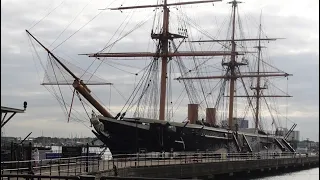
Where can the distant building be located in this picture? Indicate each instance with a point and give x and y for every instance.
(309, 145)
(280, 132)
(294, 135)
(302, 150)
(242, 123)
(6, 141)
(314, 144)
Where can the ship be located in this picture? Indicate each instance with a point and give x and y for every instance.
(139, 133)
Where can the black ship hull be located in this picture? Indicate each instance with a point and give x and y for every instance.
(129, 136)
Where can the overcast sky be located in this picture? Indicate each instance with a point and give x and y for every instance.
(296, 21)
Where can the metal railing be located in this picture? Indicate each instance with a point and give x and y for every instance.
(90, 164)
(32, 177)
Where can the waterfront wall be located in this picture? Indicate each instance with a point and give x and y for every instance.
(212, 168)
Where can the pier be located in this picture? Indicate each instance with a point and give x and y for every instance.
(157, 165)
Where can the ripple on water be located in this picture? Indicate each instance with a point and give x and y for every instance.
(310, 174)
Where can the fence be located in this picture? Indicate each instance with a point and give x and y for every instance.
(9, 176)
(89, 164)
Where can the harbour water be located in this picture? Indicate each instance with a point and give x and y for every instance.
(309, 174)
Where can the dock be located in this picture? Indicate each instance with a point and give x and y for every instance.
(191, 165)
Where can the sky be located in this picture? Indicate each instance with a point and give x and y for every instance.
(55, 24)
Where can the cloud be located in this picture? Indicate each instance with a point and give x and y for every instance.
(20, 76)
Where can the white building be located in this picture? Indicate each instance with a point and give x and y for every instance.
(294, 135)
(242, 123)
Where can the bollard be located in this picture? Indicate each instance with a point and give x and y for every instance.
(40, 166)
(87, 157)
(80, 164)
(59, 170)
(145, 159)
(76, 165)
(68, 166)
(50, 166)
(115, 170)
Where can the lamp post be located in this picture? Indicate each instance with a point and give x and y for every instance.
(136, 139)
(308, 145)
(267, 145)
(228, 148)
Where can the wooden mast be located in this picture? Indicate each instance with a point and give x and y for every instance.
(164, 38)
(232, 66)
(78, 83)
(164, 62)
(258, 88)
(232, 76)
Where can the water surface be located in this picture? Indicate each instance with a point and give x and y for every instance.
(309, 174)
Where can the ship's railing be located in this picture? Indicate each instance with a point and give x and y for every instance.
(90, 164)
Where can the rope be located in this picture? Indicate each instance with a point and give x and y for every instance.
(58, 83)
(81, 27)
(47, 15)
(287, 103)
(70, 23)
(71, 104)
(82, 104)
(53, 92)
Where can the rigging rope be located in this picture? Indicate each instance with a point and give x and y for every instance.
(135, 91)
(47, 15)
(82, 103)
(287, 103)
(71, 104)
(53, 91)
(58, 83)
(112, 44)
(81, 27)
(69, 24)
